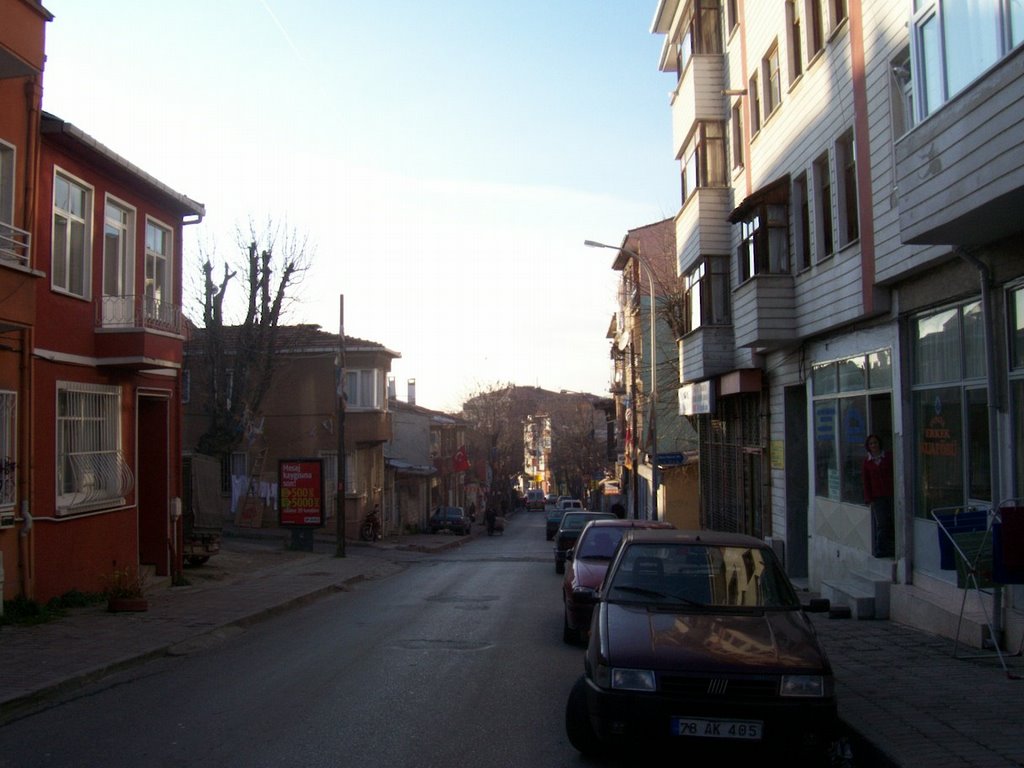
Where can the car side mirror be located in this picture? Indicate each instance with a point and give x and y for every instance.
(818, 605)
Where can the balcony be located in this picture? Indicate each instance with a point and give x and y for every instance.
(961, 171)
(706, 352)
(698, 96)
(15, 247)
(367, 427)
(138, 332)
(764, 312)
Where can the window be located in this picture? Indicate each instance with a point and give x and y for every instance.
(950, 408)
(846, 167)
(704, 158)
(234, 474)
(700, 32)
(755, 105)
(737, 135)
(901, 94)
(706, 296)
(772, 80)
(837, 12)
(816, 32)
(764, 245)
(158, 273)
(72, 212)
(364, 389)
(954, 42)
(118, 263)
(8, 448)
(823, 208)
(796, 66)
(801, 224)
(91, 470)
(852, 398)
(733, 17)
(1015, 303)
(6, 189)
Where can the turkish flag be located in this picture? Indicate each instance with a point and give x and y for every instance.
(461, 461)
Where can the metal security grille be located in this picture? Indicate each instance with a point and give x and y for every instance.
(90, 467)
(8, 431)
(732, 468)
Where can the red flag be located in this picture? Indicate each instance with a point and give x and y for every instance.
(461, 461)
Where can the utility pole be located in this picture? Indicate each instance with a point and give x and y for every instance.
(339, 496)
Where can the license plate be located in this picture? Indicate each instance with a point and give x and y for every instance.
(749, 730)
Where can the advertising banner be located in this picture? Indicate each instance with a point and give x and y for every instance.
(301, 484)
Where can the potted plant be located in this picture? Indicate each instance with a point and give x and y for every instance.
(126, 591)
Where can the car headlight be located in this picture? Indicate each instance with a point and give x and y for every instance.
(803, 685)
(626, 679)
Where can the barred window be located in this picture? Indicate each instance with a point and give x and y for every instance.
(91, 470)
(8, 448)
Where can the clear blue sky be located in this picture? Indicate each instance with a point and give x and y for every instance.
(445, 159)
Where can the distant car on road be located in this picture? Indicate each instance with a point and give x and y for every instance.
(535, 499)
(569, 529)
(554, 514)
(699, 638)
(585, 567)
(452, 519)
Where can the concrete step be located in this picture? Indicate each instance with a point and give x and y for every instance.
(937, 606)
(866, 596)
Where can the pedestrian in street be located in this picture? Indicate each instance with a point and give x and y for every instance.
(877, 476)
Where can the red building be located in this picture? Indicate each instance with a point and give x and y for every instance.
(90, 344)
(106, 367)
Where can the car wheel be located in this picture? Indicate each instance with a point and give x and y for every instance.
(569, 635)
(577, 722)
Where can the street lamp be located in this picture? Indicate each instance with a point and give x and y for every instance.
(654, 365)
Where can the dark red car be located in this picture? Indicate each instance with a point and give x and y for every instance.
(699, 639)
(585, 567)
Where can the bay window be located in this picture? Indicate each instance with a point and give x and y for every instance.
(364, 389)
(703, 160)
(706, 293)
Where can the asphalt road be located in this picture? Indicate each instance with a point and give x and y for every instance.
(455, 660)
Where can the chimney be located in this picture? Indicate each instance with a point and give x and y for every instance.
(392, 392)
(412, 391)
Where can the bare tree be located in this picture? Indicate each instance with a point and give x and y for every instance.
(238, 360)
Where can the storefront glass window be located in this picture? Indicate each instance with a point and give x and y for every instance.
(938, 440)
(937, 347)
(826, 462)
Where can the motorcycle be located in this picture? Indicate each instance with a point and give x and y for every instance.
(370, 530)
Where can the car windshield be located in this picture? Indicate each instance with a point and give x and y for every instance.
(599, 543)
(701, 575)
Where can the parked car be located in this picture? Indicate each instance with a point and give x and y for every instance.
(700, 638)
(585, 566)
(569, 528)
(535, 499)
(553, 516)
(452, 519)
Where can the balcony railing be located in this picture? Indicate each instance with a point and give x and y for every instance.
(139, 312)
(15, 246)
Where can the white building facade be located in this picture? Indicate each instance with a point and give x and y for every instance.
(849, 243)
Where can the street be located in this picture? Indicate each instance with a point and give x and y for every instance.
(456, 660)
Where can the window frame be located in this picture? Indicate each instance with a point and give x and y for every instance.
(8, 166)
(937, 82)
(364, 389)
(90, 471)
(760, 228)
(794, 41)
(157, 283)
(800, 241)
(754, 92)
(706, 294)
(61, 279)
(847, 204)
(771, 76)
(838, 435)
(824, 224)
(702, 154)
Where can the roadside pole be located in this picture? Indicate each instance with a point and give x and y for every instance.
(339, 495)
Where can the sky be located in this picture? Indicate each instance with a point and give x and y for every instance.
(442, 161)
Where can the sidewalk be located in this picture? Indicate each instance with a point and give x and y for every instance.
(905, 698)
